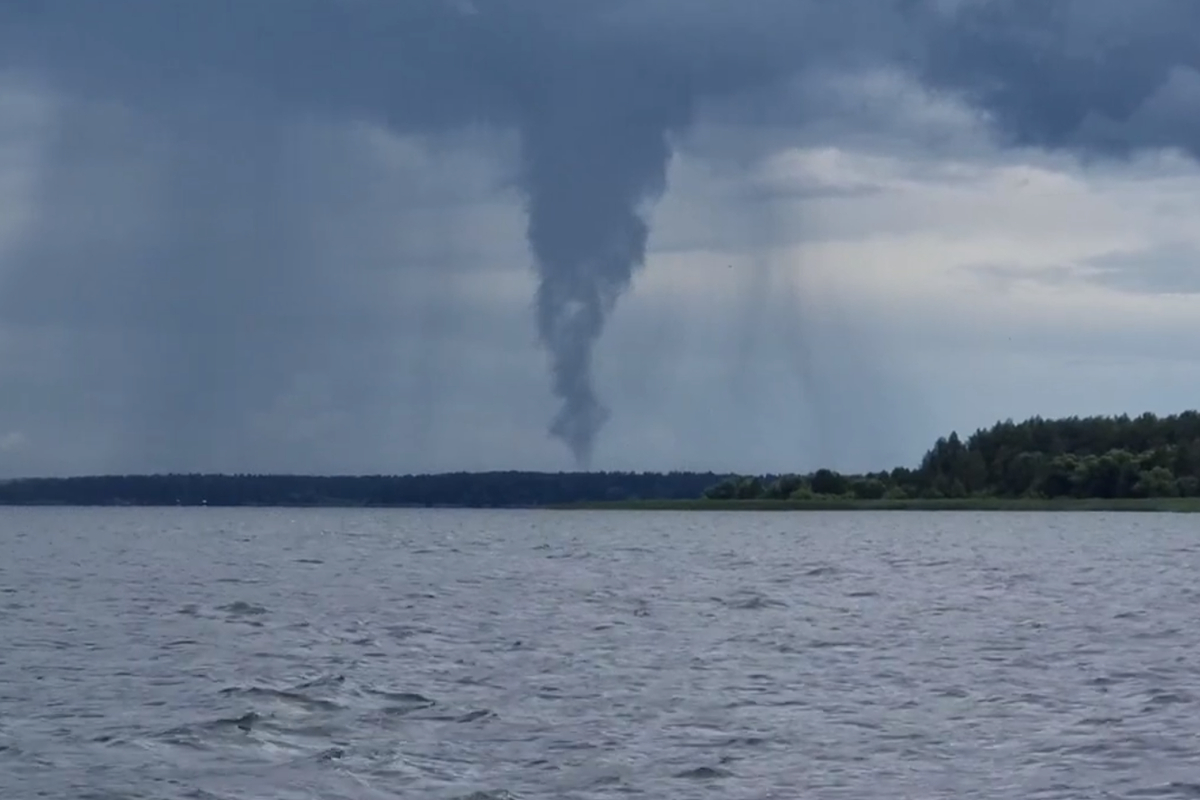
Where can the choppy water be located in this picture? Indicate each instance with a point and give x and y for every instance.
(454, 654)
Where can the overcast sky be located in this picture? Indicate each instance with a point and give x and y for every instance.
(415, 235)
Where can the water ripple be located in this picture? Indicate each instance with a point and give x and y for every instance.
(212, 654)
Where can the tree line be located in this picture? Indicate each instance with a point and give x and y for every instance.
(463, 489)
(1077, 457)
(1091, 457)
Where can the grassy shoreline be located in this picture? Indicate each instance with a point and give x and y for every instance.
(1150, 504)
(1178, 505)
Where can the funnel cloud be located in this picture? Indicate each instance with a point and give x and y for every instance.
(195, 120)
(589, 166)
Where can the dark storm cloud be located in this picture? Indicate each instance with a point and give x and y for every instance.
(1097, 76)
(594, 90)
(215, 262)
(187, 259)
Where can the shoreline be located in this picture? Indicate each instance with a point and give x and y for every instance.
(1177, 505)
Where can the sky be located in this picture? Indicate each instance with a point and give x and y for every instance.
(392, 236)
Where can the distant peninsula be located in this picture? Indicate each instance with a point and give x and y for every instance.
(1090, 463)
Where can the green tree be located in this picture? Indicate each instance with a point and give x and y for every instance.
(783, 487)
(1155, 482)
(828, 482)
(868, 489)
(750, 488)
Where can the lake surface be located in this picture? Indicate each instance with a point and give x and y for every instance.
(212, 654)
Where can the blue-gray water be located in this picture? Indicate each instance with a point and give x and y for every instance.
(216, 654)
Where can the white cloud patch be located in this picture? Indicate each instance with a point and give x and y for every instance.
(962, 292)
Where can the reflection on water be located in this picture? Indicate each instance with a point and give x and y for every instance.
(458, 654)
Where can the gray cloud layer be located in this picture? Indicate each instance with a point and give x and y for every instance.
(1100, 76)
(179, 202)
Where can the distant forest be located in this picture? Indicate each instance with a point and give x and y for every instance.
(1090, 457)
(1093, 457)
(462, 489)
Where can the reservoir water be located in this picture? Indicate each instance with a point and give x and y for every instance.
(217, 654)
